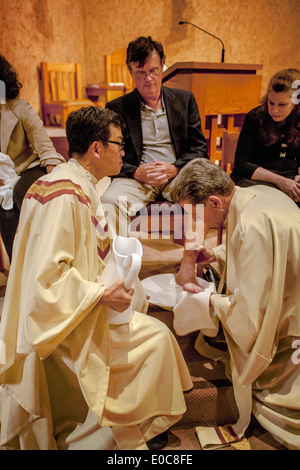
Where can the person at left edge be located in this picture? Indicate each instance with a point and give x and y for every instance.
(25, 144)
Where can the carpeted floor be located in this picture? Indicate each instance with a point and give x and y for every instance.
(211, 401)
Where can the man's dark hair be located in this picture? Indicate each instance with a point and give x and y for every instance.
(141, 48)
(90, 124)
(10, 77)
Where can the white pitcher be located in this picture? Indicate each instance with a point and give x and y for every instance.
(125, 261)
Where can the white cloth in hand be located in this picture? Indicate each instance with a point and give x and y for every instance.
(191, 312)
(10, 177)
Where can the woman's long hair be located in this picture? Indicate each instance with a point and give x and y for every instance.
(281, 82)
(10, 77)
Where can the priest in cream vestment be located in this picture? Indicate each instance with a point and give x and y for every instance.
(69, 380)
(260, 309)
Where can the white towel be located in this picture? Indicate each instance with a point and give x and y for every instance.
(10, 177)
(191, 312)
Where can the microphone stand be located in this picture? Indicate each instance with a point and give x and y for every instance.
(223, 48)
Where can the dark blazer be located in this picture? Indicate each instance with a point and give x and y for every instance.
(184, 124)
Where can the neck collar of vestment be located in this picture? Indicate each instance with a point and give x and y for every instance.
(88, 175)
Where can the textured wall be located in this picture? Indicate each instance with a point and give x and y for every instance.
(254, 31)
(34, 31)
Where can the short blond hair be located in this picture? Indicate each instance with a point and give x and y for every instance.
(198, 180)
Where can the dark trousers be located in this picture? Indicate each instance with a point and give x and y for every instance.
(9, 219)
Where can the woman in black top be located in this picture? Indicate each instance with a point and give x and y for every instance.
(268, 150)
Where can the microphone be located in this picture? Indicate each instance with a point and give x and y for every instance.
(223, 48)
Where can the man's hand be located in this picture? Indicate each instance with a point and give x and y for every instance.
(155, 173)
(186, 276)
(116, 297)
(205, 255)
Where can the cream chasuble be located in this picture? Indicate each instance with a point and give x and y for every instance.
(260, 314)
(60, 360)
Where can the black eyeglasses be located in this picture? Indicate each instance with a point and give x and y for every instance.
(120, 144)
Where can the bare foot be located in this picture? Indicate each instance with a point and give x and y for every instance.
(192, 287)
(188, 282)
(186, 276)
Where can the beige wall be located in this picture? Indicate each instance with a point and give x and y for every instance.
(33, 31)
(254, 31)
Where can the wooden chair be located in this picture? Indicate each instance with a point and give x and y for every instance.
(61, 90)
(116, 70)
(118, 80)
(229, 144)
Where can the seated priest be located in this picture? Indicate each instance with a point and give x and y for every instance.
(70, 379)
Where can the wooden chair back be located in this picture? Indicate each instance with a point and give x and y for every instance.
(230, 140)
(62, 82)
(116, 70)
(61, 89)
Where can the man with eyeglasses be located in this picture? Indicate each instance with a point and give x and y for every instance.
(69, 379)
(162, 133)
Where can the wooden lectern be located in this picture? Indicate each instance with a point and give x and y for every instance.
(225, 93)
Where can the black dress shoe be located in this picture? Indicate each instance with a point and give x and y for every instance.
(158, 442)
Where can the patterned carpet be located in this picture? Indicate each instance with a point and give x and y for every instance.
(211, 401)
